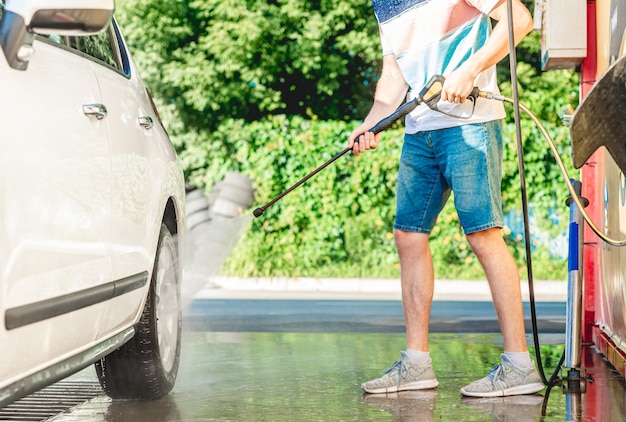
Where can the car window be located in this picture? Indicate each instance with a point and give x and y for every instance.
(100, 46)
(106, 47)
(123, 54)
(57, 39)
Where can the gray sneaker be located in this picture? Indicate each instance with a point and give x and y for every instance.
(402, 376)
(505, 379)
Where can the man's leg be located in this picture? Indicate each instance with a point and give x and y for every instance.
(417, 278)
(504, 282)
(516, 373)
(422, 193)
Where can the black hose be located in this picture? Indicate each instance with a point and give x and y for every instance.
(522, 177)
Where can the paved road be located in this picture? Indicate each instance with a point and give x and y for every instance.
(284, 315)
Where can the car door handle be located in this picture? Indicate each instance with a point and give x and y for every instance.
(146, 122)
(98, 110)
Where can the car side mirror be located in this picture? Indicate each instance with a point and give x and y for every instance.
(22, 19)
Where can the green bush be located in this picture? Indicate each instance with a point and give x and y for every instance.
(339, 223)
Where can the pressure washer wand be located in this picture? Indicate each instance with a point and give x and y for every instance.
(385, 123)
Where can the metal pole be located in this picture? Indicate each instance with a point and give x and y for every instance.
(573, 325)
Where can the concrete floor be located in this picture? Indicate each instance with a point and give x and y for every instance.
(313, 375)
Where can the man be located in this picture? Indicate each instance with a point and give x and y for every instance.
(441, 153)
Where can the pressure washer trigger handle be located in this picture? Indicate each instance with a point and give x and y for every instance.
(402, 111)
(474, 94)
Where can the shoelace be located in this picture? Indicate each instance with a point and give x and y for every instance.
(401, 367)
(498, 372)
(393, 367)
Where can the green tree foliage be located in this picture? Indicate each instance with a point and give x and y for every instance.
(246, 59)
(547, 94)
(272, 89)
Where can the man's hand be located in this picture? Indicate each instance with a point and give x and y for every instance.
(361, 140)
(457, 86)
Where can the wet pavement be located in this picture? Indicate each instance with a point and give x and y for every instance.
(247, 360)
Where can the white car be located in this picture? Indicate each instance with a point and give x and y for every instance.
(91, 207)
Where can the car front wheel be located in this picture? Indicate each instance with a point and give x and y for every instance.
(146, 366)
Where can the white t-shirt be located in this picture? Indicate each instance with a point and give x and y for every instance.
(434, 37)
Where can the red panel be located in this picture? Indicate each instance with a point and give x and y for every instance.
(591, 180)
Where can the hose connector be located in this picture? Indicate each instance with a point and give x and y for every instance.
(490, 95)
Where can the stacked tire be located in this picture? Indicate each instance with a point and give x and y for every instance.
(229, 198)
(197, 208)
(215, 224)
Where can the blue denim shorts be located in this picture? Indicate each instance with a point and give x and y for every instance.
(466, 160)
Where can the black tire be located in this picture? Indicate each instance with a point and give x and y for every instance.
(146, 366)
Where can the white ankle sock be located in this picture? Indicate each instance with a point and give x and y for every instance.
(418, 357)
(521, 359)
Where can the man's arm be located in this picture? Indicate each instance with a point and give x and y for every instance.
(459, 84)
(390, 92)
